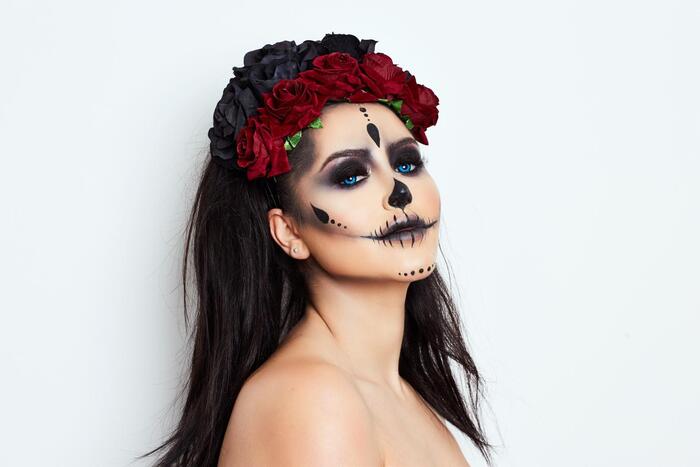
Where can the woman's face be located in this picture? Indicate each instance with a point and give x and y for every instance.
(368, 178)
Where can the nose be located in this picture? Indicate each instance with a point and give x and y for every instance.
(400, 196)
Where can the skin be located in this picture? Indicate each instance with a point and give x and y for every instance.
(331, 394)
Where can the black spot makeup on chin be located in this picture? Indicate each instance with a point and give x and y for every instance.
(371, 127)
(420, 270)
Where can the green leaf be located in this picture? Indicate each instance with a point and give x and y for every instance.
(316, 123)
(290, 142)
(409, 123)
(396, 105)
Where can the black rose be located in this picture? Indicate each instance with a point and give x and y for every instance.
(349, 44)
(233, 109)
(264, 67)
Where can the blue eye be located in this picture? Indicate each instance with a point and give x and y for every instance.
(410, 164)
(349, 174)
(349, 181)
(404, 168)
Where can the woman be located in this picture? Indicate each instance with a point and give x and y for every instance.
(320, 310)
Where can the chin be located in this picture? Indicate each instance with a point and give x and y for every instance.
(419, 267)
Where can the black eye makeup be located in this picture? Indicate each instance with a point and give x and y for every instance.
(354, 166)
(404, 160)
(346, 174)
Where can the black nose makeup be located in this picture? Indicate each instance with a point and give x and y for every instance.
(400, 195)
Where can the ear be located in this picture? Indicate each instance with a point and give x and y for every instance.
(286, 235)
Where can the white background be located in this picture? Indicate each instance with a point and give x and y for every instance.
(567, 154)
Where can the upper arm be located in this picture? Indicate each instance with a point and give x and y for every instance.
(310, 415)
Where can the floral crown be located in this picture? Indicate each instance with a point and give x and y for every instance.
(282, 88)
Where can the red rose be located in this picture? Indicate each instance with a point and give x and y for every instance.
(279, 162)
(293, 104)
(244, 143)
(261, 153)
(419, 103)
(383, 78)
(419, 134)
(336, 74)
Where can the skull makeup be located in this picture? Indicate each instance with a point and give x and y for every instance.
(370, 208)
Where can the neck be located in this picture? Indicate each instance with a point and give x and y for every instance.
(365, 321)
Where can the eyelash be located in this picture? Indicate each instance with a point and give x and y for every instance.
(353, 170)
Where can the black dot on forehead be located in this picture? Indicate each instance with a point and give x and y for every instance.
(364, 110)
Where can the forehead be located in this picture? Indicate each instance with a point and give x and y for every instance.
(345, 127)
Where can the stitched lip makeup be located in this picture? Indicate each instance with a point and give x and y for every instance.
(410, 229)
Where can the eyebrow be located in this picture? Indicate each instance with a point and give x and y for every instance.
(365, 154)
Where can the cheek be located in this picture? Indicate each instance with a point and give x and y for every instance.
(339, 218)
(434, 197)
(342, 214)
(426, 197)
(337, 250)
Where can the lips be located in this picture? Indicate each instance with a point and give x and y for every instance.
(410, 229)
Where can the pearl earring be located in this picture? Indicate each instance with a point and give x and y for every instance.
(295, 249)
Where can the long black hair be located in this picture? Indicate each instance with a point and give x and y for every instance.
(250, 294)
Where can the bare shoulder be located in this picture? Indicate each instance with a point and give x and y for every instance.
(300, 412)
